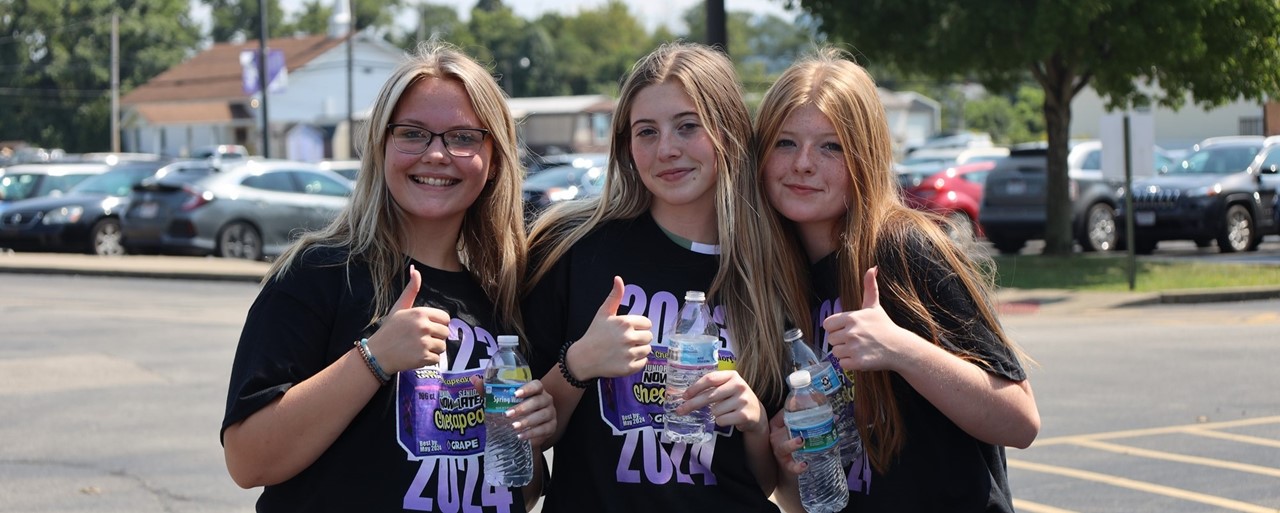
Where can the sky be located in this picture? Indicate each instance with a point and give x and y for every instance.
(651, 12)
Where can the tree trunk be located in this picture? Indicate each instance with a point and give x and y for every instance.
(1058, 84)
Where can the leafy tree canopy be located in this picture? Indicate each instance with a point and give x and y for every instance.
(1211, 50)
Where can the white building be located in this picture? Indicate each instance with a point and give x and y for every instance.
(202, 101)
(913, 118)
(1173, 129)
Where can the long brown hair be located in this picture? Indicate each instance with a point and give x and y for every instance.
(877, 229)
(755, 307)
(492, 241)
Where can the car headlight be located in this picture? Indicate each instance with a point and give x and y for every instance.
(64, 215)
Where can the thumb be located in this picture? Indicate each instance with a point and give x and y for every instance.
(870, 289)
(410, 291)
(614, 300)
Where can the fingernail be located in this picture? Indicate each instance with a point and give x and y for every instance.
(515, 425)
(509, 413)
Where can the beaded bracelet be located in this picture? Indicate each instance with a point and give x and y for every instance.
(564, 368)
(363, 346)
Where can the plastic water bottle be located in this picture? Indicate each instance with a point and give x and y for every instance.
(691, 353)
(508, 461)
(826, 378)
(822, 485)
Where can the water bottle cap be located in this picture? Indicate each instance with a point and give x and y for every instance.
(792, 334)
(799, 378)
(695, 295)
(508, 340)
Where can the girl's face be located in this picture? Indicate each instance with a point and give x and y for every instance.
(436, 185)
(806, 175)
(672, 150)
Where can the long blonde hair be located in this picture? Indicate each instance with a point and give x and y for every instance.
(877, 229)
(754, 306)
(492, 241)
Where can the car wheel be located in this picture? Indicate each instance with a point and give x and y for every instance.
(1099, 228)
(105, 238)
(1237, 231)
(240, 240)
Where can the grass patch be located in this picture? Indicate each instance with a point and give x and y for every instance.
(1110, 274)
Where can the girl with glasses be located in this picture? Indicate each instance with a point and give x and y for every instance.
(355, 383)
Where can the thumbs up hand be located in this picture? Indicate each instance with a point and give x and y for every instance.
(410, 336)
(614, 345)
(867, 339)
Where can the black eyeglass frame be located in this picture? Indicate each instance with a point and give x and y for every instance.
(484, 133)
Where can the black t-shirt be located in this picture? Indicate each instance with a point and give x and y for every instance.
(417, 445)
(611, 457)
(940, 468)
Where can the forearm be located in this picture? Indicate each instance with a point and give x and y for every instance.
(285, 437)
(988, 407)
(565, 397)
(760, 459)
(787, 494)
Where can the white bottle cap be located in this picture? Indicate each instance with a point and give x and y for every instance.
(792, 334)
(799, 379)
(508, 340)
(695, 295)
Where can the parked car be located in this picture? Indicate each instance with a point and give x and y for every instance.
(534, 164)
(1218, 193)
(955, 192)
(1013, 198)
(249, 209)
(221, 151)
(913, 170)
(347, 168)
(85, 219)
(582, 179)
(25, 181)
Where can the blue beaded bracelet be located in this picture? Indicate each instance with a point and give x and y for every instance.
(372, 362)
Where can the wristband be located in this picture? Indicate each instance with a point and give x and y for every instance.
(372, 363)
(564, 368)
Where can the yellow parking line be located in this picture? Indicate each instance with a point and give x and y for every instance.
(1032, 507)
(1157, 431)
(1244, 439)
(1180, 458)
(1142, 486)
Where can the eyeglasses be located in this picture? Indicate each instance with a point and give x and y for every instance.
(460, 142)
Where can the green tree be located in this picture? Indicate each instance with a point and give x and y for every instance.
(242, 18)
(760, 46)
(596, 47)
(315, 14)
(1009, 119)
(55, 63)
(436, 21)
(1211, 50)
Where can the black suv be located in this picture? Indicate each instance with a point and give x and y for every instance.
(1013, 198)
(1218, 193)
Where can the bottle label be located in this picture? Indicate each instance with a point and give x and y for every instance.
(636, 401)
(817, 437)
(500, 397)
(825, 379)
(439, 413)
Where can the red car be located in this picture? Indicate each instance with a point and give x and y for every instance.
(955, 192)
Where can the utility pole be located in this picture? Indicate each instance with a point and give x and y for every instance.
(115, 82)
(351, 39)
(717, 33)
(263, 80)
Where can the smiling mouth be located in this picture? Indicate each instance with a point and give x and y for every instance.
(437, 182)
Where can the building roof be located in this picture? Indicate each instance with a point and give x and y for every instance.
(215, 73)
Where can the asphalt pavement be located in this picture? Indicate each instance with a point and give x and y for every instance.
(1012, 301)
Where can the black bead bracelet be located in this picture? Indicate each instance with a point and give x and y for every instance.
(564, 368)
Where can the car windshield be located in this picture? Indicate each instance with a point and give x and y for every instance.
(20, 186)
(117, 182)
(562, 176)
(1221, 160)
